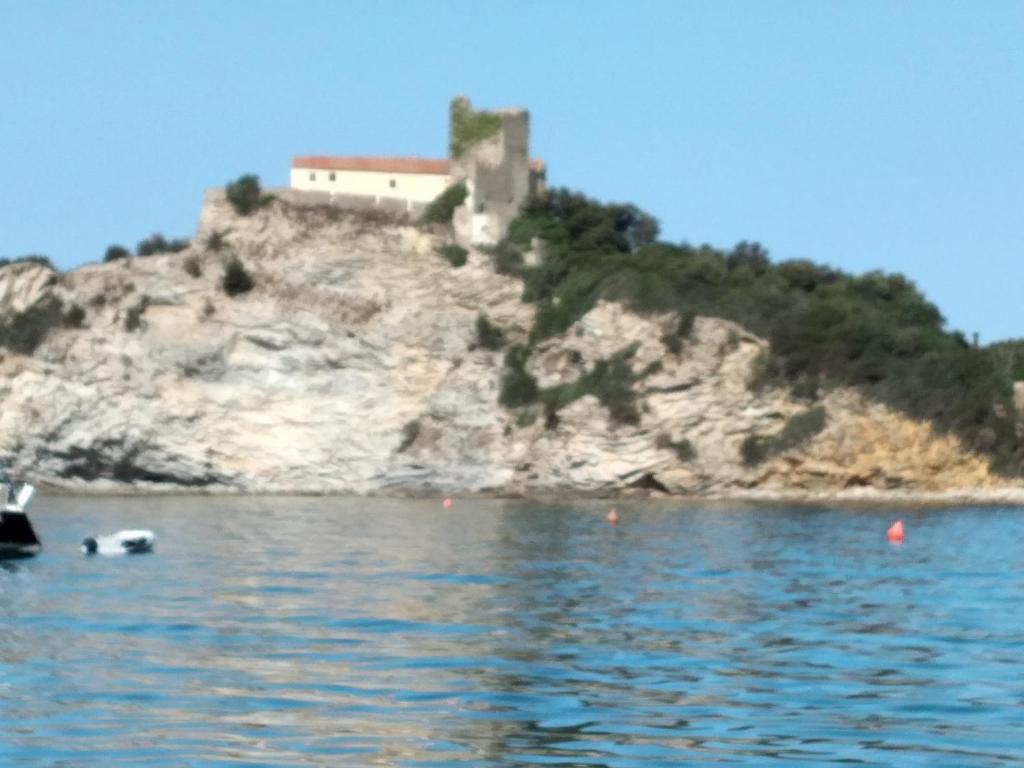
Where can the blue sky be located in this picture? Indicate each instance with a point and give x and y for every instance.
(866, 135)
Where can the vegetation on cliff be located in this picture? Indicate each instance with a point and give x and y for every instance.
(798, 430)
(442, 207)
(32, 258)
(116, 252)
(156, 244)
(1012, 355)
(454, 254)
(236, 279)
(24, 331)
(827, 328)
(245, 194)
(470, 127)
(488, 335)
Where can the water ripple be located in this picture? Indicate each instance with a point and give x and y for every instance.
(277, 632)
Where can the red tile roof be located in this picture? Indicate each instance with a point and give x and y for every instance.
(383, 164)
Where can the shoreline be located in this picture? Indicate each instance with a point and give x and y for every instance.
(1005, 496)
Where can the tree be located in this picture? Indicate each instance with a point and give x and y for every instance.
(245, 195)
(116, 253)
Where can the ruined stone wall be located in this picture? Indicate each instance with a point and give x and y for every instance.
(496, 171)
(346, 202)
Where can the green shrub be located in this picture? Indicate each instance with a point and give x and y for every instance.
(442, 208)
(1011, 356)
(875, 332)
(805, 388)
(133, 317)
(410, 432)
(192, 266)
(683, 449)
(116, 253)
(157, 244)
(754, 449)
(455, 254)
(518, 387)
(24, 331)
(236, 279)
(469, 127)
(798, 430)
(488, 335)
(31, 258)
(610, 381)
(506, 258)
(74, 317)
(526, 418)
(217, 240)
(673, 341)
(245, 195)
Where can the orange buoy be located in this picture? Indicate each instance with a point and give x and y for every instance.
(612, 516)
(447, 503)
(895, 532)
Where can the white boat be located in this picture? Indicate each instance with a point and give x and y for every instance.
(17, 537)
(134, 542)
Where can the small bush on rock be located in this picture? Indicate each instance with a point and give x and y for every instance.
(236, 279)
(75, 317)
(245, 195)
(116, 253)
(683, 449)
(798, 430)
(441, 210)
(133, 317)
(673, 340)
(754, 449)
(526, 418)
(507, 259)
(157, 243)
(217, 240)
(31, 258)
(518, 387)
(409, 434)
(455, 254)
(26, 330)
(488, 335)
(192, 267)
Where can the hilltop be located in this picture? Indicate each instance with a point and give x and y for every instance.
(366, 353)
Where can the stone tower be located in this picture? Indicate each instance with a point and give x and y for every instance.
(490, 154)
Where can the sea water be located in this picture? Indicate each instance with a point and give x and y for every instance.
(354, 632)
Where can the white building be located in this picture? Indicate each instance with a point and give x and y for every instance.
(490, 155)
(416, 179)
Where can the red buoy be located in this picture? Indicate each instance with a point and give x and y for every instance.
(895, 532)
(447, 503)
(612, 516)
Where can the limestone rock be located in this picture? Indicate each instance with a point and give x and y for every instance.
(353, 366)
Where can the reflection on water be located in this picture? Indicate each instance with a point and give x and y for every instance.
(385, 632)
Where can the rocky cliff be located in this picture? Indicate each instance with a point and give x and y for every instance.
(353, 366)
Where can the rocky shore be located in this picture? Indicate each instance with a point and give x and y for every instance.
(354, 365)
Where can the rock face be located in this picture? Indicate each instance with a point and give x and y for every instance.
(353, 366)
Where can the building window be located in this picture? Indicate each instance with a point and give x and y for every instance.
(331, 176)
(312, 175)
(392, 183)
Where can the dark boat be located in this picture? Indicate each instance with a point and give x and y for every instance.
(17, 537)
